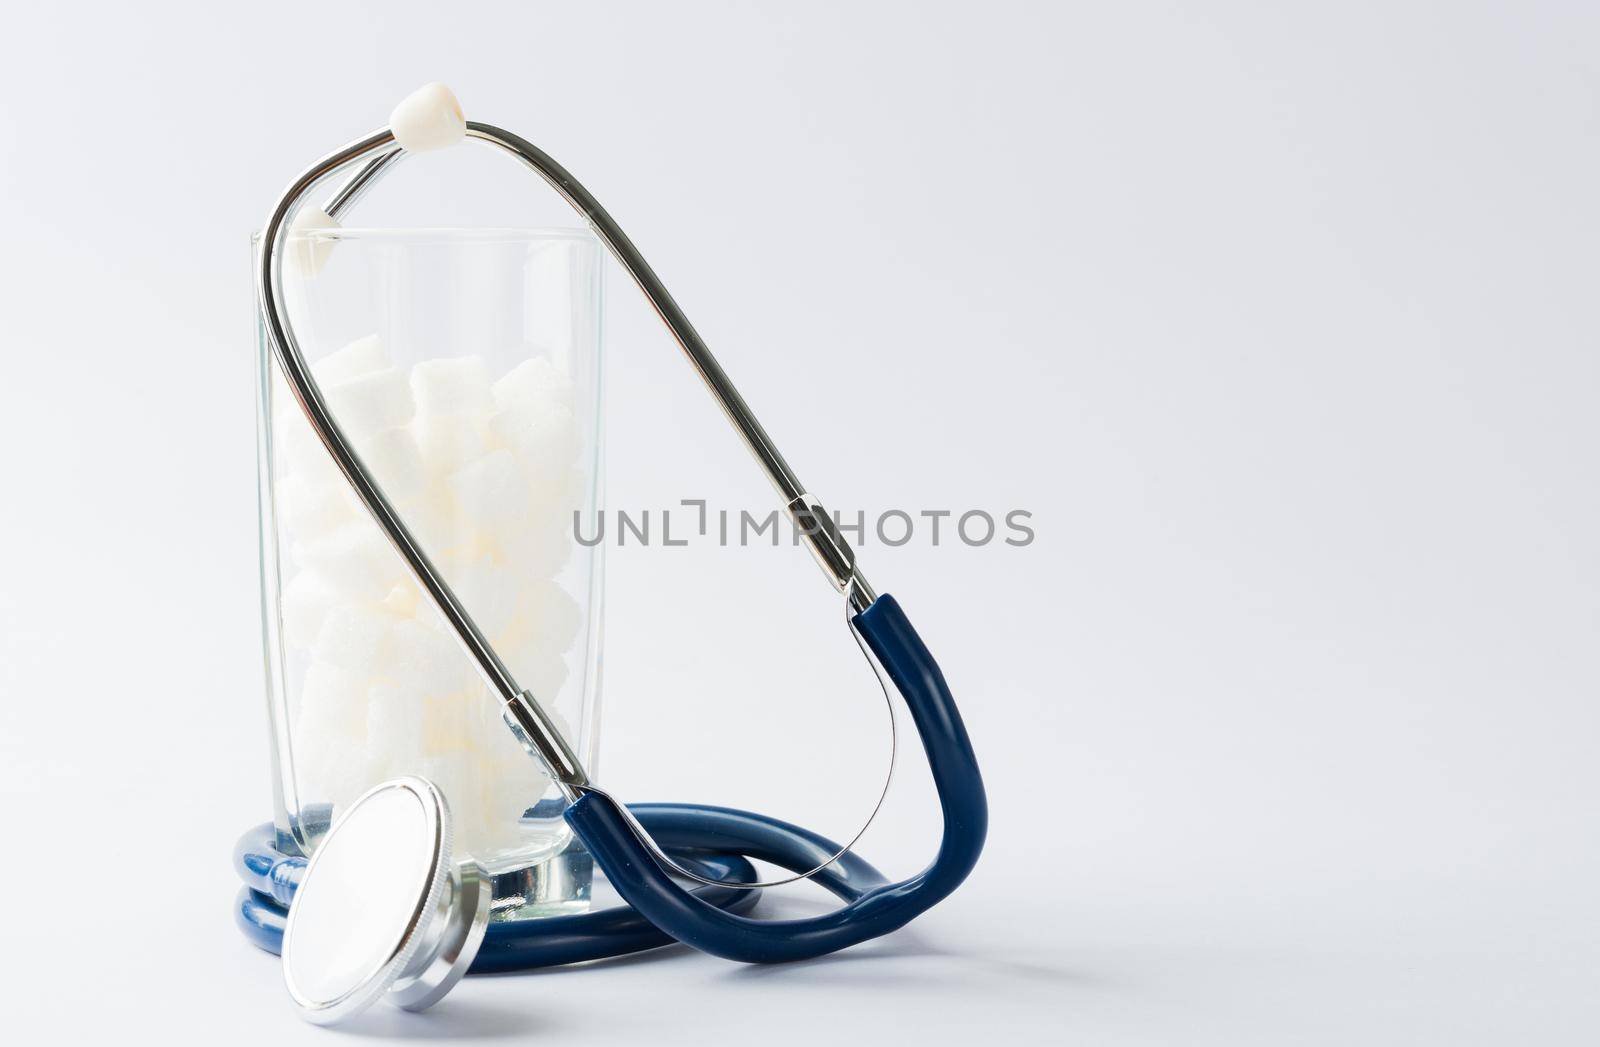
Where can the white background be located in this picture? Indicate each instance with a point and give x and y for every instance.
(1279, 318)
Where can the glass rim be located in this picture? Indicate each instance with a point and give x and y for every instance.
(445, 234)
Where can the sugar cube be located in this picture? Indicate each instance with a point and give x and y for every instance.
(314, 503)
(547, 441)
(488, 592)
(305, 601)
(538, 549)
(402, 600)
(430, 514)
(545, 613)
(370, 403)
(430, 659)
(332, 702)
(532, 386)
(394, 460)
(492, 493)
(395, 721)
(446, 442)
(362, 356)
(448, 722)
(355, 559)
(452, 385)
(296, 449)
(327, 770)
(308, 241)
(358, 639)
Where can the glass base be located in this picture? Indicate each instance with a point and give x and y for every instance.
(558, 886)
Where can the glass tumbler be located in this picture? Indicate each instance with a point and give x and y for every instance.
(464, 365)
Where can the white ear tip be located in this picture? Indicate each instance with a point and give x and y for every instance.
(305, 250)
(428, 118)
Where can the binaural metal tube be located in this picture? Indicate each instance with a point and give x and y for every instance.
(358, 184)
(711, 372)
(822, 537)
(827, 545)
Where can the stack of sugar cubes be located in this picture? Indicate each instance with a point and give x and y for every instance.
(485, 472)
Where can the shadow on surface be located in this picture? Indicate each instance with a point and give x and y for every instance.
(878, 967)
(451, 1019)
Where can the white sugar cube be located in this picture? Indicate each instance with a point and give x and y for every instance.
(546, 441)
(394, 460)
(309, 241)
(370, 403)
(453, 385)
(312, 504)
(488, 787)
(492, 493)
(447, 441)
(402, 600)
(434, 662)
(431, 516)
(395, 721)
(305, 603)
(332, 701)
(488, 591)
(362, 356)
(538, 549)
(533, 386)
(547, 612)
(330, 754)
(357, 639)
(297, 450)
(355, 559)
(448, 722)
(332, 772)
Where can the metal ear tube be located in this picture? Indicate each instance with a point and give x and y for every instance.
(643, 850)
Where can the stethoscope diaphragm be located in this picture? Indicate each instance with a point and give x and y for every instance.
(384, 911)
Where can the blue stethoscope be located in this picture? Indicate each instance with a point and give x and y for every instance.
(382, 909)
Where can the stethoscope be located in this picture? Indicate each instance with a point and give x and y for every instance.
(384, 910)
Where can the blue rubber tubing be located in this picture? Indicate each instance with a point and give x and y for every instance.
(869, 912)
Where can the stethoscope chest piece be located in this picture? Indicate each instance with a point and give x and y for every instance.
(383, 910)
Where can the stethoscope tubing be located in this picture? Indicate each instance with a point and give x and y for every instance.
(644, 884)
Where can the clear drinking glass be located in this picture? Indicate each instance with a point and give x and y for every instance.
(465, 367)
